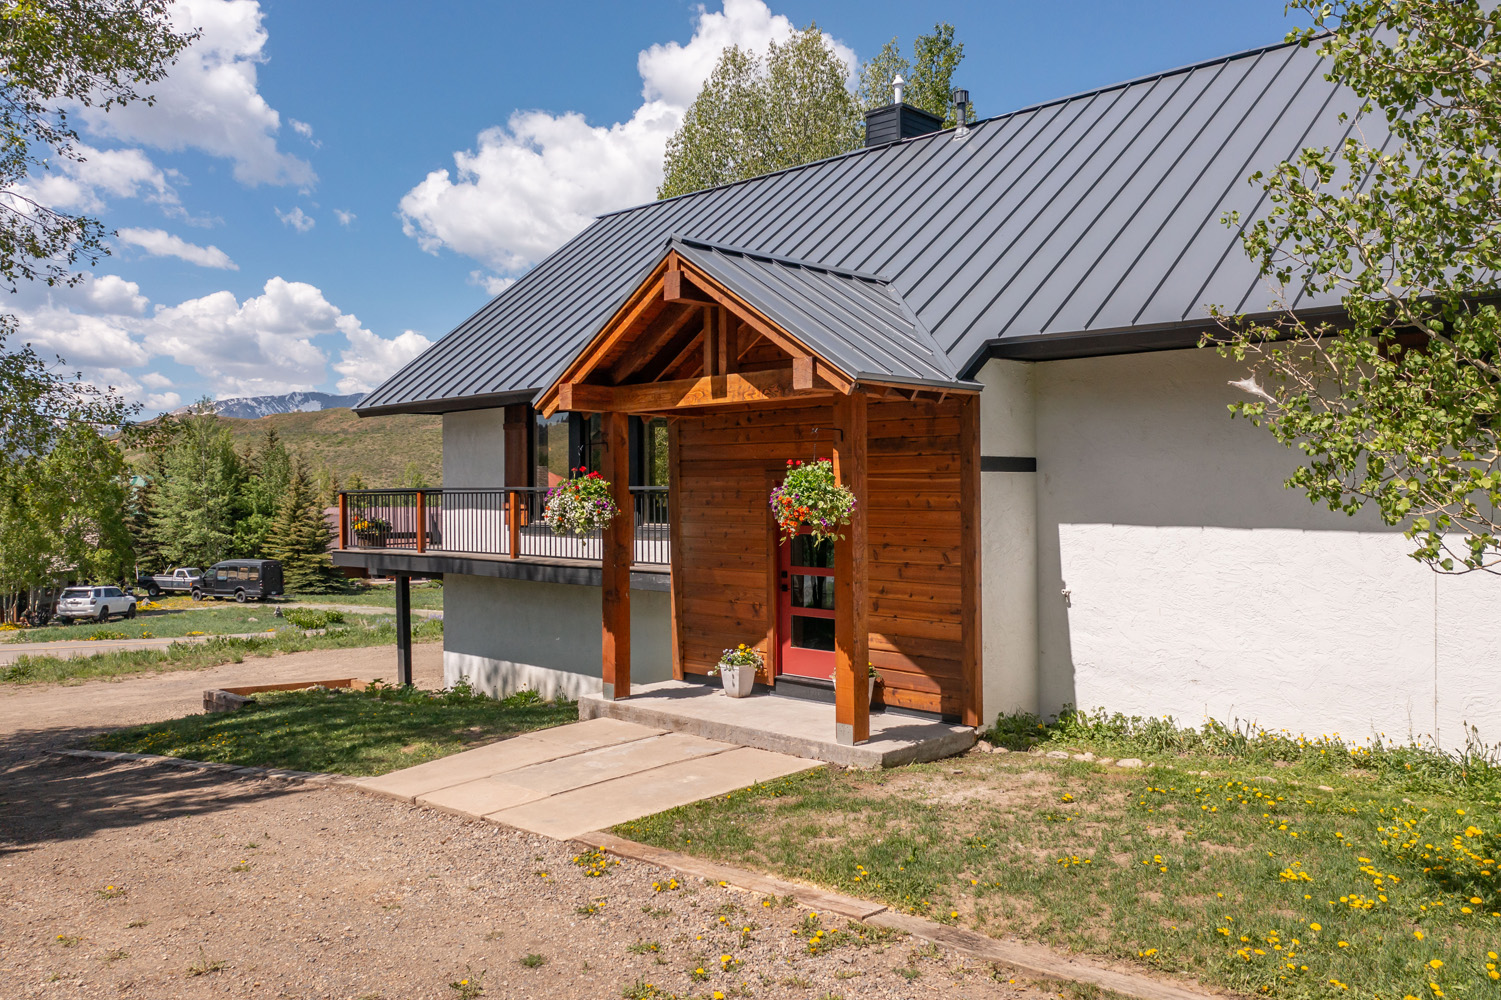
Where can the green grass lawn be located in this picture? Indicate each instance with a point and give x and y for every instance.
(1290, 869)
(427, 596)
(347, 732)
(34, 669)
(232, 620)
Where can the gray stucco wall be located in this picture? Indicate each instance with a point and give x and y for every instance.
(505, 635)
(474, 449)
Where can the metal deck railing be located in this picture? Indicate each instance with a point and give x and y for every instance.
(505, 522)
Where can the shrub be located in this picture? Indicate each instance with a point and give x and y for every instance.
(308, 618)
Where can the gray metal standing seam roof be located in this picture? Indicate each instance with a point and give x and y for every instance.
(856, 321)
(1086, 225)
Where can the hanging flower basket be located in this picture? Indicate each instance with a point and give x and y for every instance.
(809, 497)
(580, 505)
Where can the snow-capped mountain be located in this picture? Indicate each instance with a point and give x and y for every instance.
(250, 407)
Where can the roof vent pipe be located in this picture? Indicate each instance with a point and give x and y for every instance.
(897, 83)
(961, 110)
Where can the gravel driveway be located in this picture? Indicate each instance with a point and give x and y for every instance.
(136, 880)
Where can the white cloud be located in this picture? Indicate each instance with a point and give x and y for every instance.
(112, 295)
(160, 243)
(209, 100)
(296, 218)
(536, 181)
(492, 283)
(275, 342)
(370, 360)
(83, 185)
(345, 218)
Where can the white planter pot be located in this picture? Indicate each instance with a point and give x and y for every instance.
(738, 681)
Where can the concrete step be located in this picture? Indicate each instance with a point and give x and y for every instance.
(783, 725)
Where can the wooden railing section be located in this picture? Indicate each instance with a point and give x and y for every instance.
(501, 522)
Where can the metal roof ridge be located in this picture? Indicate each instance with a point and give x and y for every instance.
(779, 259)
(1029, 109)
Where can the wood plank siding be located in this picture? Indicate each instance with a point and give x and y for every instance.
(725, 466)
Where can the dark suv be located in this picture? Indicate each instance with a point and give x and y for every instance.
(242, 579)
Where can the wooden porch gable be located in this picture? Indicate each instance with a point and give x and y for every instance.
(682, 340)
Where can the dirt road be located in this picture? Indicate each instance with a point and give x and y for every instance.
(58, 714)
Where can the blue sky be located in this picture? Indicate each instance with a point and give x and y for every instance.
(324, 188)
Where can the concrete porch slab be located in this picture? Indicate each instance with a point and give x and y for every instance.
(784, 725)
(597, 807)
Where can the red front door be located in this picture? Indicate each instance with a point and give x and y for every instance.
(805, 607)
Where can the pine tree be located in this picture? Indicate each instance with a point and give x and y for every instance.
(269, 469)
(300, 539)
(194, 512)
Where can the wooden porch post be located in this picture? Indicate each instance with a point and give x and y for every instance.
(343, 520)
(851, 596)
(618, 545)
(403, 630)
(675, 540)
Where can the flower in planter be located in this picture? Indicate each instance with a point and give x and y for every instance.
(580, 505)
(809, 497)
(741, 656)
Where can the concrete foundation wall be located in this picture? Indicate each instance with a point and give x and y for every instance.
(1175, 573)
(506, 635)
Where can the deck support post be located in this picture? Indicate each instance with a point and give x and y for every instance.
(513, 523)
(343, 520)
(851, 592)
(617, 552)
(403, 630)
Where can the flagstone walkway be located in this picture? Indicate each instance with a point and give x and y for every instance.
(591, 775)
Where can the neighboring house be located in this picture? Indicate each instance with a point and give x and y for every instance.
(994, 331)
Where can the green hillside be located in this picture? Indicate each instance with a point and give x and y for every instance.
(378, 448)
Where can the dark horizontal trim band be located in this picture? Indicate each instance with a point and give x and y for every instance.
(1007, 463)
(572, 571)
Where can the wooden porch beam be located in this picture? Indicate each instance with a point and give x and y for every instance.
(656, 340)
(617, 553)
(676, 287)
(851, 572)
(713, 390)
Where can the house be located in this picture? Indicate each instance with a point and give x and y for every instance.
(993, 331)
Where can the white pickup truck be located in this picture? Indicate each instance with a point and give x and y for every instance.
(181, 580)
(97, 603)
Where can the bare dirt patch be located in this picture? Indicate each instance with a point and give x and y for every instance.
(142, 880)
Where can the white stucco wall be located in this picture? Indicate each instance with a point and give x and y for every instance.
(1008, 542)
(474, 444)
(1198, 586)
(505, 635)
(474, 456)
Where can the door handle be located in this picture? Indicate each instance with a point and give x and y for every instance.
(784, 588)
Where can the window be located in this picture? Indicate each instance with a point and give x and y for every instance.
(551, 448)
(654, 444)
(244, 573)
(255, 573)
(222, 574)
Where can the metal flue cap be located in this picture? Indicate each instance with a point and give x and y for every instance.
(961, 98)
(897, 83)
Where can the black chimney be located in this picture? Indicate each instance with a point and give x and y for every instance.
(898, 121)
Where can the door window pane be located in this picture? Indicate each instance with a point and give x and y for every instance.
(813, 633)
(807, 551)
(813, 592)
